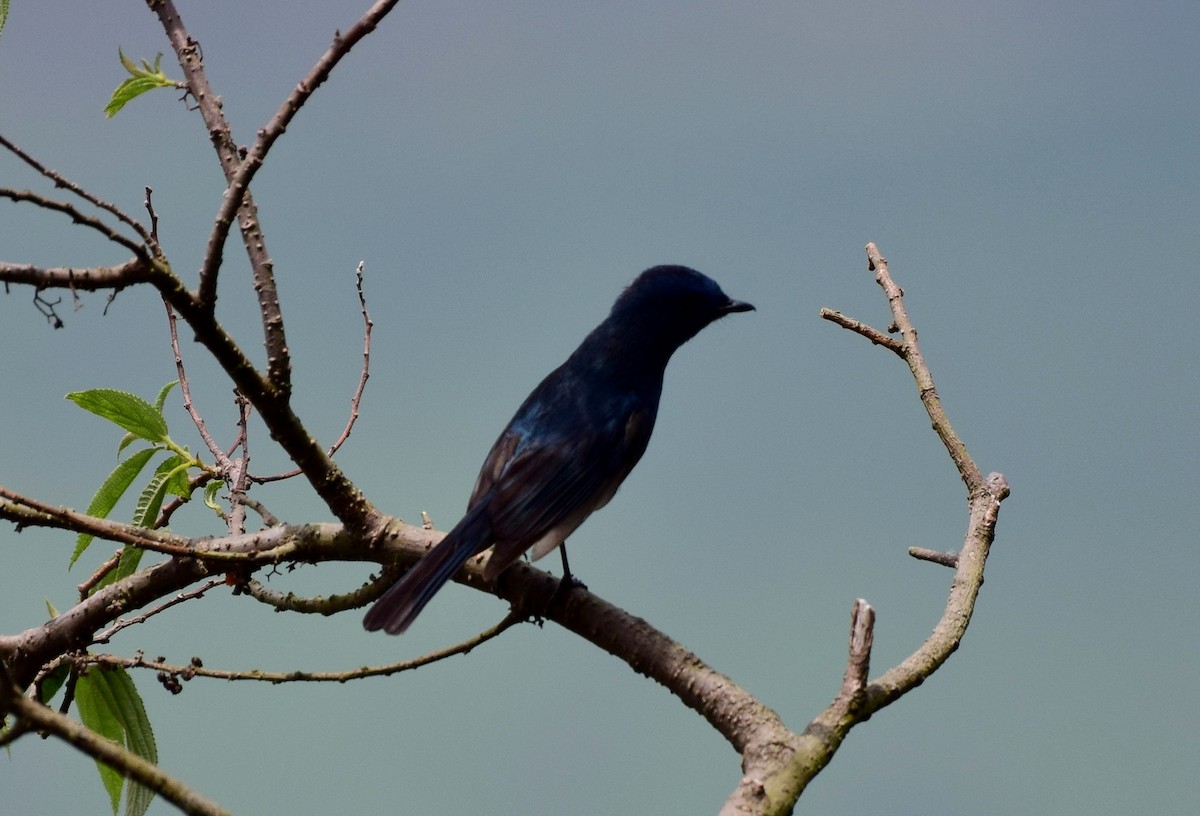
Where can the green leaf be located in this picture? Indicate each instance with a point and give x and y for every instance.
(141, 80)
(150, 502)
(53, 681)
(129, 411)
(210, 497)
(97, 712)
(3, 14)
(145, 514)
(128, 439)
(110, 705)
(110, 493)
(161, 399)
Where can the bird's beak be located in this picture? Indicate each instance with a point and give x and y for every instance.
(737, 306)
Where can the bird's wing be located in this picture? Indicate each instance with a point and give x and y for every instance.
(552, 484)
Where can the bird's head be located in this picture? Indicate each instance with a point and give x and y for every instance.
(668, 305)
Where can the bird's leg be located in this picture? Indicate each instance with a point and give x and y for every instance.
(568, 581)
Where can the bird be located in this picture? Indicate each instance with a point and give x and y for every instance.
(572, 441)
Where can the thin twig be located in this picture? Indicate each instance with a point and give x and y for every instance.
(946, 559)
(269, 519)
(96, 577)
(239, 182)
(356, 399)
(185, 388)
(195, 482)
(239, 477)
(321, 605)
(509, 620)
(149, 205)
(925, 387)
(65, 183)
(78, 217)
(24, 510)
(874, 335)
(180, 597)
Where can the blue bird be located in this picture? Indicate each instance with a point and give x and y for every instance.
(572, 442)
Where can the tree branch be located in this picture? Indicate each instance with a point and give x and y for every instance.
(356, 398)
(65, 183)
(88, 279)
(187, 51)
(38, 717)
(275, 678)
(239, 181)
(76, 216)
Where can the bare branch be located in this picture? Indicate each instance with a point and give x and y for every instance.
(239, 182)
(272, 544)
(25, 511)
(946, 559)
(25, 653)
(356, 399)
(874, 335)
(862, 637)
(187, 51)
(76, 216)
(63, 182)
(149, 205)
(186, 389)
(268, 518)
(782, 778)
(38, 717)
(326, 605)
(96, 577)
(88, 279)
(178, 598)
(191, 670)
(920, 371)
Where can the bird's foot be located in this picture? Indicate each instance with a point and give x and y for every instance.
(566, 585)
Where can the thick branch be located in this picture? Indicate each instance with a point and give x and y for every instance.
(239, 181)
(74, 629)
(188, 53)
(89, 279)
(775, 789)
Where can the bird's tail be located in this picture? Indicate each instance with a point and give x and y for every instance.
(395, 611)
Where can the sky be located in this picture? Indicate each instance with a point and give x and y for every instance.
(503, 170)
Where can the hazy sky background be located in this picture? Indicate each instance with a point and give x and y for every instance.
(504, 169)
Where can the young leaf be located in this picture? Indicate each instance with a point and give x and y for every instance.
(109, 704)
(129, 411)
(210, 497)
(161, 399)
(140, 80)
(126, 440)
(150, 502)
(110, 493)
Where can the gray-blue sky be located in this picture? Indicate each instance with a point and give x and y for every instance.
(504, 169)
